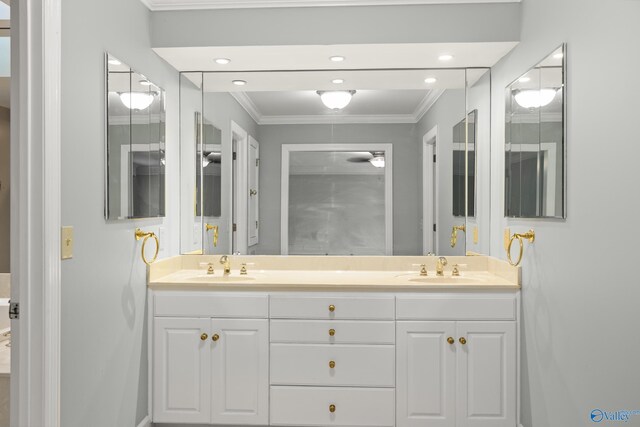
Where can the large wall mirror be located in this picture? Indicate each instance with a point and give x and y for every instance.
(535, 141)
(335, 162)
(135, 144)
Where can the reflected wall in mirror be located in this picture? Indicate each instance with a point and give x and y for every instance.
(135, 144)
(337, 201)
(464, 165)
(535, 142)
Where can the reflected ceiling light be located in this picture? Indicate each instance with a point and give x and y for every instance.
(430, 80)
(145, 82)
(136, 100)
(337, 81)
(114, 61)
(378, 159)
(222, 61)
(558, 55)
(239, 82)
(445, 57)
(337, 58)
(336, 99)
(533, 98)
(524, 79)
(163, 158)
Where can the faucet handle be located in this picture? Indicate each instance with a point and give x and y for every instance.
(243, 269)
(423, 268)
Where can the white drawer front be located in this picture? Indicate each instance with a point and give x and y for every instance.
(333, 307)
(210, 304)
(332, 332)
(434, 307)
(310, 406)
(355, 365)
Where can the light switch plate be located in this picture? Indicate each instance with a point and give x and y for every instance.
(475, 235)
(507, 237)
(66, 241)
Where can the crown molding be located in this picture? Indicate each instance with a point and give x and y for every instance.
(427, 102)
(155, 5)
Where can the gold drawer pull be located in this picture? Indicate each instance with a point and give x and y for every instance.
(450, 340)
(332, 308)
(463, 340)
(332, 364)
(332, 332)
(332, 408)
(215, 337)
(204, 337)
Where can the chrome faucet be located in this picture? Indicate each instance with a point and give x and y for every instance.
(224, 260)
(442, 261)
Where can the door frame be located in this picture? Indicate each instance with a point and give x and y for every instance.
(36, 211)
(287, 149)
(239, 189)
(430, 191)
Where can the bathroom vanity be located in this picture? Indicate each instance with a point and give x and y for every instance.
(334, 341)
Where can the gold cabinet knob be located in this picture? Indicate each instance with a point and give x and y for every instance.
(332, 364)
(215, 337)
(204, 337)
(332, 308)
(450, 340)
(332, 332)
(463, 340)
(332, 408)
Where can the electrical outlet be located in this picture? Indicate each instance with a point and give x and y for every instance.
(507, 237)
(66, 241)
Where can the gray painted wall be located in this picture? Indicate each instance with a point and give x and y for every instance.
(104, 347)
(407, 236)
(5, 222)
(580, 347)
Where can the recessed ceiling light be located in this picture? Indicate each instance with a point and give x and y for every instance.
(430, 80)
(524, 79)
(445, 57)
(337, 58)
(337, 81)
(114, 61)
(145, 82)
(239, 82)
(558, 55)
(222, 61)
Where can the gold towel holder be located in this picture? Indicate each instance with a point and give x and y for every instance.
(210, 227)
(454, 233)
(146, 235)
(529, 235)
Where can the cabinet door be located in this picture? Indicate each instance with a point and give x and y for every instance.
(425, 366)
(486, 374)
(181, 370)
(254, 180)
(240, 360)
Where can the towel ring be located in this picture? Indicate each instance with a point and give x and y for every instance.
(210, 227)
(529, 235)
(146, 235)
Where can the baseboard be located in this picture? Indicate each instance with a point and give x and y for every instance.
(146, 422)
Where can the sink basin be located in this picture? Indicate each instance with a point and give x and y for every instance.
(221, 279)
(447, 280)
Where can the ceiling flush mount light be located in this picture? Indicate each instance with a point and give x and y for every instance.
(378, 159)
(445, 57)
(337, 81)
(136, 100)
(239, 82)
(430, 80)
(145, 82)
(524, 79)
(535, 98)
(114, 61)
(558, 55)
(337, 58)
(336, 99)
(222, 61)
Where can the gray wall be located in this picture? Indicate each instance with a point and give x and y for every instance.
(580, 347)
(445, 113)
(4, 191)
(407, 237)
(104, 347)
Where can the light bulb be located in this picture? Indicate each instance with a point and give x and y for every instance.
(336, 99)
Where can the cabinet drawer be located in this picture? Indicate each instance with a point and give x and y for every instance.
(209, 304)
(433, 307)
(310, 406)
(354, 365)
(333, 307)
(332, 332)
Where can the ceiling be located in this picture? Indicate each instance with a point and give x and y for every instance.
(241, 4)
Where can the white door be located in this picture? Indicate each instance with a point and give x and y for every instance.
(425, 365)
(486, 374)
(240, 360)
(181, 370)
(254, 180)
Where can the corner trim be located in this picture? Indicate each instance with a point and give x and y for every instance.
(146, 422)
